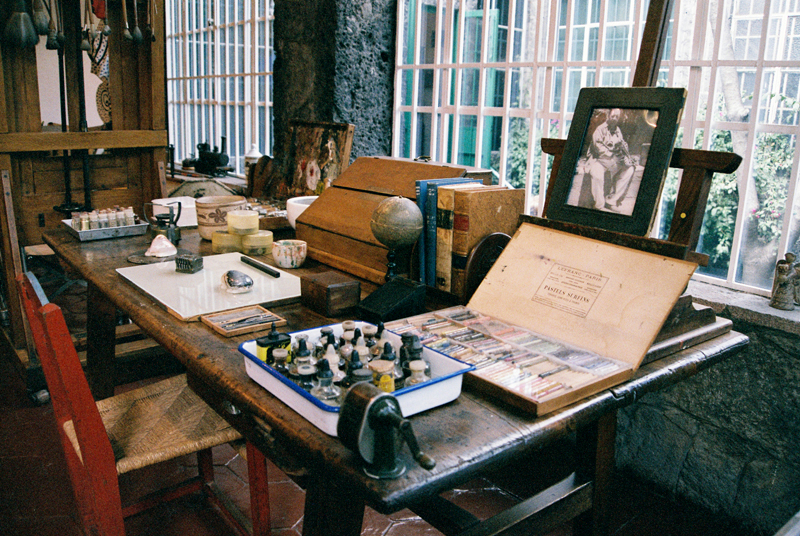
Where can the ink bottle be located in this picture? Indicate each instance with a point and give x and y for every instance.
(417, 368)
(325, 390)
(389, 356)
(332, 358)
(306, 374)
(383, 374)
(280, 355)
(369, 332)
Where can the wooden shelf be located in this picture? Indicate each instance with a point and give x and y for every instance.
(22, 142)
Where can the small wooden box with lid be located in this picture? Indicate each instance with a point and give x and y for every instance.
(329, 293)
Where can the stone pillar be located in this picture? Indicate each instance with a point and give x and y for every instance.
(334, 61)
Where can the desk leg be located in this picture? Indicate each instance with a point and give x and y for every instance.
(595, 444)
(331, 509)
(101, 326)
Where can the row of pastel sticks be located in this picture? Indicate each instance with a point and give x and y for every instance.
(537, 344)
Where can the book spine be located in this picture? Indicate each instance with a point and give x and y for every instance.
(430, 236)
(444, 238)
(422, 197)
(458, 275)
(461, 213)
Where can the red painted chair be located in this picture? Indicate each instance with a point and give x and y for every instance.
(155, 423)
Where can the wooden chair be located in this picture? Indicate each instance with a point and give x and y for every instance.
(155, 423)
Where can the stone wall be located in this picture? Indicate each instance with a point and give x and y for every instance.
(727, 438)
(334, 61)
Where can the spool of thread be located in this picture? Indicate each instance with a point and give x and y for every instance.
(242, 222)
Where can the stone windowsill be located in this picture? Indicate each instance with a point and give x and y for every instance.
(745, 307)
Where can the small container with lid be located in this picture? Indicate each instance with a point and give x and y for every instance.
(242, 222)
(382, 374)
(325, 390)
(223, 242)
(258, 243)
(417, 368)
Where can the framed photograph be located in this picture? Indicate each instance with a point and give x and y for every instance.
(616, 158)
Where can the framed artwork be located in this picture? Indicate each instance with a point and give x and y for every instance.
(616, 158)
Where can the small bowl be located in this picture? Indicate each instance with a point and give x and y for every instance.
(212, 212)
(289, 253)
(296, 205)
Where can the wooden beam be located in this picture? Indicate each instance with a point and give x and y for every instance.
(12, 262)
(22, 142)
(654, 38)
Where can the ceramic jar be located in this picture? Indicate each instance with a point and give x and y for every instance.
(289, 253)
(212, 212)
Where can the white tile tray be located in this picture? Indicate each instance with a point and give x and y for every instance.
(444, 387)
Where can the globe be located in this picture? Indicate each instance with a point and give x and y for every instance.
(396, 222)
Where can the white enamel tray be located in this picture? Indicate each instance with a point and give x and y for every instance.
(444, 387)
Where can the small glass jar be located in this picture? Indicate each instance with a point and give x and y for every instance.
(418, 376)
(382, 374)
(280, 355)
(306, 374)
(325, 390)
(369, 332)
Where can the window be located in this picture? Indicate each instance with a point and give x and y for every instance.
(219, 76)
(502, 74)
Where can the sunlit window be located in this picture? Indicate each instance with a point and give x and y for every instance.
(219, 76)
(498, 75)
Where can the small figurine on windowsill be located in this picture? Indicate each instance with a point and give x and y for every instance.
(784, 289)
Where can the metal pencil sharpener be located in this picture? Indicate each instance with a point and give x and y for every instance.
(188, 263)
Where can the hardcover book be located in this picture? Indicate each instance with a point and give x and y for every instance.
(477, 213)
(444, 230)
(426, 248)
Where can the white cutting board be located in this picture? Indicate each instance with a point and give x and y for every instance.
(188, 296)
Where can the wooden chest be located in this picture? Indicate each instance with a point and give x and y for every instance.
(329, 293)
(337, 225)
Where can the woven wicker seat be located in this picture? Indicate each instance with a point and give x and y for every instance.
(129, 431)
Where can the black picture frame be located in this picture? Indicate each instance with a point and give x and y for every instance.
(631, 173)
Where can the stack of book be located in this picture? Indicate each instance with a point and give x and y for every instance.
(458, 214)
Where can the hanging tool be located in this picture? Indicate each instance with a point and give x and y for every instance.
(52, 42)
(85, 45)
(19, 30)
(69, 206)
(41, 20)
(137, 33)
(127, 32)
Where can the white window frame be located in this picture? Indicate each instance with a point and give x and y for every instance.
(201, 108)
(548, 116)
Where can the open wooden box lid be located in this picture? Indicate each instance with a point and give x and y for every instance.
(598, 296)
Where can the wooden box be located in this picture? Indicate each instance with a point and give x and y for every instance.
(329, 293)
(337, 225)
(557, 318)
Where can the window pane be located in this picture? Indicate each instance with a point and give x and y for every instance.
(521, 87)
(425, 96)
(423, 135)
(495, 87)
(470, 87)
(490, 150)
(765, 209)
(467, 132)
(517, 154)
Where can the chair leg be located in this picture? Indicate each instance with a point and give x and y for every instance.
(259, 491)
(205, 465)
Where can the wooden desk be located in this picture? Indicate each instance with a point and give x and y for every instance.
(467, 437)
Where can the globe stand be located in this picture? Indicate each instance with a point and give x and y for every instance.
(396, 223)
